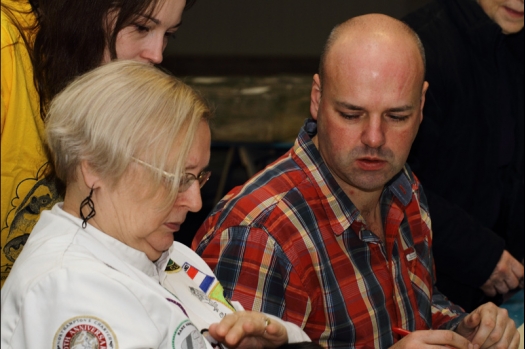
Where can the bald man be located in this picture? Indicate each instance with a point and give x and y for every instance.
(335, 236)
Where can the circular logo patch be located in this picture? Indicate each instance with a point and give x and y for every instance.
(187, 336)
(85, 332)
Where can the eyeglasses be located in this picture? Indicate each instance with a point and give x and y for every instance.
(186, 179)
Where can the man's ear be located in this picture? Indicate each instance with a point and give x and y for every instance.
(89, 176)
(315, 96)
(423, 98)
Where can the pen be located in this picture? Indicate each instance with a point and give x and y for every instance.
(400, 331)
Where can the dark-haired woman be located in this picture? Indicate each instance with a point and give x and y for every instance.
(44, 45)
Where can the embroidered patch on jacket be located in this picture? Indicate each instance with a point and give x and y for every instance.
(217, 293)
(202, 280)
(201, 296)
(172, 267)
(85, 332)
(187, 336)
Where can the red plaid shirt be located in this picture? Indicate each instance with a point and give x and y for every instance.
(291, 243)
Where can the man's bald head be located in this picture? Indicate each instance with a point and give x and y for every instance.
(371, 29)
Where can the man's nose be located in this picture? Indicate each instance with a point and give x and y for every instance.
(373, 134)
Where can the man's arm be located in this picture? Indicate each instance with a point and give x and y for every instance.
(443, 310)
(254, 271)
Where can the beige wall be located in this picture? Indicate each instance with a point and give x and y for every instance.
(271, 27)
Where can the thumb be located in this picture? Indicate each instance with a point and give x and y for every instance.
(517, 269)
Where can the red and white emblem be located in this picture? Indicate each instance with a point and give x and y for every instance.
(85, 332)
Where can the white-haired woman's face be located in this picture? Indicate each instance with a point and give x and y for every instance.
(145, 39)
(129, 212)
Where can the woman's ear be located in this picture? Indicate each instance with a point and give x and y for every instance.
(90, 178)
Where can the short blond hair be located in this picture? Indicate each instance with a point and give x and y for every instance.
(120, 111)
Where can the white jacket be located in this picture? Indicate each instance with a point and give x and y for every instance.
(74, 288)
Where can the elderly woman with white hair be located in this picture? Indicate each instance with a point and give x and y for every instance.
(101, 269)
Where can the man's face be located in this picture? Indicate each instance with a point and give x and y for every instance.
(367, 116)
(508, 14)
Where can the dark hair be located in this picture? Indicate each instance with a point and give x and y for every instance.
(71, 38)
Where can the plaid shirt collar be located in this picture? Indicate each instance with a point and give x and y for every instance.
(337, 205)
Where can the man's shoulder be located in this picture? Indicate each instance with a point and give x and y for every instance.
(275, 192)
(265, 191)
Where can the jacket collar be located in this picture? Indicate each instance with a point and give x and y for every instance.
(113, 252)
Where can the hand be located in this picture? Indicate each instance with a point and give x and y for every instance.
(250, 330)
(433, 339)
(507, 275)
(490, 327)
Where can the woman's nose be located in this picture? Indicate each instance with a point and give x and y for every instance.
(191, 198)
(154, 50)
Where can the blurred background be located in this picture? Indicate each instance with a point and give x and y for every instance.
(253, 60)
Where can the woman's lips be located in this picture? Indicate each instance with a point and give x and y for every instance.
(173, 226)
(513, 13)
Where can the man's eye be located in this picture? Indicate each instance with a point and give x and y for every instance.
(171, 35)
(350, 116)
(399, 117)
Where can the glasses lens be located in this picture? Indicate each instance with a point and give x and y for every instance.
(186, 181)
(188, 178)
(203, 177)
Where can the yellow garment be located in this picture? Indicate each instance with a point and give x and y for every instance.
(25, 193)
(520, 330)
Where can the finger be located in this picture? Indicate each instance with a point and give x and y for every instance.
(275, 330)
(501, 339)
(512, 282)
(448, 339)
(434, 339)
(518, 271)
(489, 290)
(515, 343)
(467, 328)
(493, 324)
(502, 287)
(221, 329)
(488, 287)
(256, 326)
(246, 325)
(249, 325)
(517, 268)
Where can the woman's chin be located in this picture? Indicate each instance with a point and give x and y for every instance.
(160, 245)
